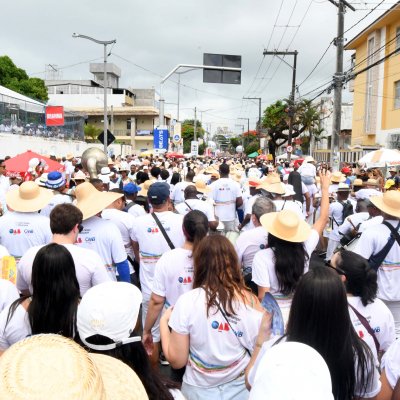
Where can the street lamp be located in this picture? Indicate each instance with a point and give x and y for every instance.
(104, 43)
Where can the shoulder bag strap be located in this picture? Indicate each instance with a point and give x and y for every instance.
(159, 224)
(190, 208)
(394, 231)
(367, 326)
(230, 326)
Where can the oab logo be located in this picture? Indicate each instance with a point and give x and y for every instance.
(185, 280)
(152, 230)
(15, 231)
(221, 326)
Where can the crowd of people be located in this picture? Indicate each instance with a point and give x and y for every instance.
(250, 280)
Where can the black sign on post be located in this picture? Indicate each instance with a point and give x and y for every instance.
(222, 60)
(110, 137)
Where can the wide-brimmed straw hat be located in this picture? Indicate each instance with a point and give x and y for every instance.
(389, 203)
(28, 198)
(53, 367)
(145, 188)
(202, 187)
(69, 156)
(286, 225)
(357, 182)
(272, 185)
(91, 201)
(79, 176)
(337, 177)
(372, 182)
(343, 187)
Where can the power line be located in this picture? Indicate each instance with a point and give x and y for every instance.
(69, 66)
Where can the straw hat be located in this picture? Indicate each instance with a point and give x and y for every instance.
(202, 187)
(272, 185)
(145, 188)
(357, 182)
(389, 203)
(41, 181)
(53, 367)
(337, 177)
(286, 225)
(79, 176)
(91, 201)
(343, 187)
(372, 182)
(69, 156)
(254, 182)
(28, 198)
(209, 170)
(237, 176)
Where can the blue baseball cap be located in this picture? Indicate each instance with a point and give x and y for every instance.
(131, 188)
(158, 192)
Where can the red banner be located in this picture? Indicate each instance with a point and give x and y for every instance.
(54, 115)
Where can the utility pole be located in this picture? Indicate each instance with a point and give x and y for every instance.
(248, 124)
(195, 124)
(292, 93)
(338, 80)
(259, 113)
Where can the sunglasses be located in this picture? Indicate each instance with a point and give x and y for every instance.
(338, 270)
(80, 228)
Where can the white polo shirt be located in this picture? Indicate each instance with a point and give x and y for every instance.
(224, 192)
(56, 200)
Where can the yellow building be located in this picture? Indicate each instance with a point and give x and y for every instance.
(376, 111)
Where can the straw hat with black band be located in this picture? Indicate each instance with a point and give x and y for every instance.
(286, 225)
(28, 198)
(52, 367)
(389, 203)
(272, 185)
(91, 201)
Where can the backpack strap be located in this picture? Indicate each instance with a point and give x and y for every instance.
(159, 224)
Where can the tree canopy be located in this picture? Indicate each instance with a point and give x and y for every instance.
(17, 79)
(188, 133)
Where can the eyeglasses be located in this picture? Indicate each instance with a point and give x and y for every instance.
(338, 270)
(80, 228)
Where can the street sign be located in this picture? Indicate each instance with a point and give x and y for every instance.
(194, 148)
(110, 137)
(160, 138)
(222, 60)
(289, 149)
(176, 138)
(54, 116)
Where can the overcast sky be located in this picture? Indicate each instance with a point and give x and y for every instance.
(159, 34)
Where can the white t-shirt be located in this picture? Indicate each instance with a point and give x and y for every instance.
(371, 242)
(372, 390)
(152, 244)
(380, 319)
(105, 239)
(307, 169)
(264, 273)
(391, 363)
(18, 328)
(173, 275)
(56, 200)
(196, 204)
(178, 195)
(224, 192)
(136, 210)
(249, 243)
(292, 205)
(336, 218)
(248, 202)
(356, 219)
(21, 231)
(89, 268)
(8, 293)
(217, 354)
(124, 222)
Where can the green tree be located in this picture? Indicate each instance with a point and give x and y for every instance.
(276, 121)
(188, 133)
(91, 132)
(252, 147)
(17, 79)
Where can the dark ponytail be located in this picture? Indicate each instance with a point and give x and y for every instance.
(195, 227)
(361, 279)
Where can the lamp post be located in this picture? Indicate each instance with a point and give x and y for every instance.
(104, 43)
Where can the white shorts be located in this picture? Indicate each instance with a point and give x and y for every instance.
(155, 331)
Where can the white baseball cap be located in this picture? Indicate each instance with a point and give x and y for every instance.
(292, 370)
(289, 191)
(109, 309)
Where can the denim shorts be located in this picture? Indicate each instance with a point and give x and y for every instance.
(233, 390)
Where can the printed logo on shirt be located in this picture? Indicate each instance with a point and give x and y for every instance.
(224, 327)
(15, 231)
(152, 230)
(90, 239)
(185, 280)
(79, 240)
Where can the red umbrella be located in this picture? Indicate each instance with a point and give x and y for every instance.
(175, 155)
(20, 163)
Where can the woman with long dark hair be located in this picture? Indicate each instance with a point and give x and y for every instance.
(213, 326)
(278, 268)
(53, 304)
(176, 177)
(173, 273)
(107, 320)
(319, 318)
(367, 313)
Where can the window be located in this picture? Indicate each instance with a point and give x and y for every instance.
(368, 99)
(397, 95)
(398, 38)
(128, 124)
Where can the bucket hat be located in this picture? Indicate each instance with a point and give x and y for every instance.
(389, 203)
(109, 309)
(53, 367)
(28, 198)
(286, 225)
(54, 180)
(91, 201)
